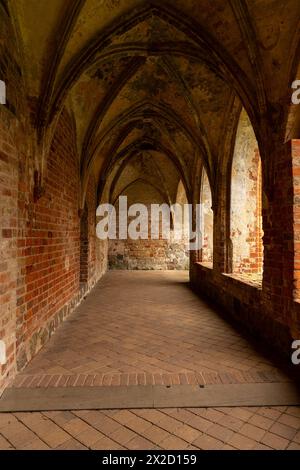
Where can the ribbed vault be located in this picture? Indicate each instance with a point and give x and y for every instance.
(158, 77)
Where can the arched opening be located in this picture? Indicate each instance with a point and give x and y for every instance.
(246, 204)
(206, 221)
(181, 240)
(84, 246)
(150, 183)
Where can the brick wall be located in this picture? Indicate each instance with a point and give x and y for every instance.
(271, 311)
(97, 249)
(278, 216)
(8, 243)
(48, 242)
(84, 246)
(40, 243)
(49, 247)
(295, 150)
(12, 146)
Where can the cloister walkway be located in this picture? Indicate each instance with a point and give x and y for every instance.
(138, 327)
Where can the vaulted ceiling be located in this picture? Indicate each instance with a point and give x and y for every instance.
(161, 79)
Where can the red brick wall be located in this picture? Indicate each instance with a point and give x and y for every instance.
(93, 251)
(91, 200)
(8, 242)
(40, 243)
(84, 245)
(295, 149)
(48, 251)
(269, 311)
(278, 240)
(12, 146)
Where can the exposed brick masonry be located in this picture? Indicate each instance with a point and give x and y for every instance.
(40, 244)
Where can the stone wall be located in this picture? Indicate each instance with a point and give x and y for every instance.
(245, 202)
(147, 254)
(206, 220)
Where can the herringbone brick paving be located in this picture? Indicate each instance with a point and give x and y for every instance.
(144, 327)
(148, 327)
(196, 428)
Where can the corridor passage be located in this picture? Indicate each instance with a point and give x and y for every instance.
(146, 327)
(149, 155)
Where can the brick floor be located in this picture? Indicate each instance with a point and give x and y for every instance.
(140, 328)
(144, 327)
(152, 429)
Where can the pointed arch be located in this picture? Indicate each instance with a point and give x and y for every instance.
(246, 203)
(206, 220)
